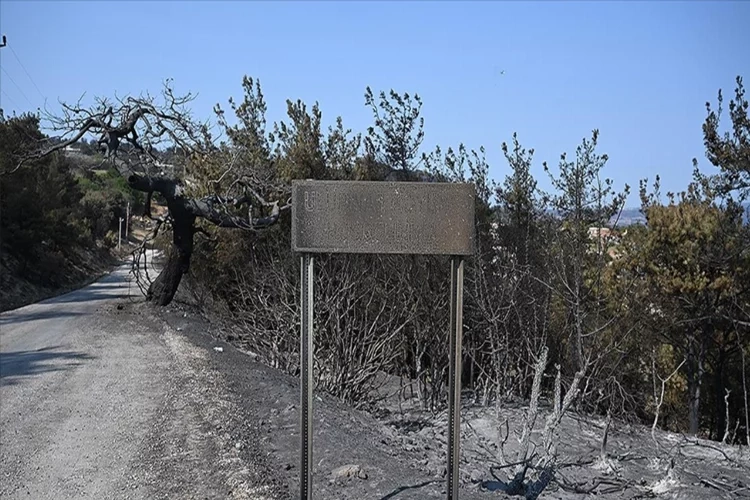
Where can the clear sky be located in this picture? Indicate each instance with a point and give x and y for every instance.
(640, 72)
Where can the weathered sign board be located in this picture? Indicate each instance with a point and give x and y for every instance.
(382, 217)
(387, 218)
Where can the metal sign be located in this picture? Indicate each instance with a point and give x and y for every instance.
(381, 217)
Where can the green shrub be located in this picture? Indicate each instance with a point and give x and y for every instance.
(110, 239)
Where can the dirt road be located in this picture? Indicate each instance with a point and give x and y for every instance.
(99, 400)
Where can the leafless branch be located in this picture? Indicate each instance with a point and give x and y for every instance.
(660, 400)
(143, 123)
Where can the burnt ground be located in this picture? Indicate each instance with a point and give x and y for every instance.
(400, 454)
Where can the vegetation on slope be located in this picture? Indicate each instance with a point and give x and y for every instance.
(58, 218)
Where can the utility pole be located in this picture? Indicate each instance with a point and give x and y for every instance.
(3, 44)
(119, 236)
(127, 221)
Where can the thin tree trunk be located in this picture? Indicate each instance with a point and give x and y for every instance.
(695, 376)
(744, 390)
(691, 383)
(720, 411)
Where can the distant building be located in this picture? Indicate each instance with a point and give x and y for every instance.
(599, 232)
(606, 239)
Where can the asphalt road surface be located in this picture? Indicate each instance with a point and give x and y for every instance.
(100, 400)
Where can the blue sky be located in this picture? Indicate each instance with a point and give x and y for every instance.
(640, 72)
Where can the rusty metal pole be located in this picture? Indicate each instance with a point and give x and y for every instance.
(454, 375)
(306, 377)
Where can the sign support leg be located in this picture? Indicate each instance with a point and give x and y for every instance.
(454, 375)
(306, 376)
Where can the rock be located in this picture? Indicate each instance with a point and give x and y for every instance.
(427, 432)
(349, 471)
(120, 307)
(476, 475)
(238, 445)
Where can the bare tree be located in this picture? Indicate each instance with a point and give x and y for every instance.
(659, 398)
(131, 130)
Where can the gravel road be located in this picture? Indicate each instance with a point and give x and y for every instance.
(99, 399)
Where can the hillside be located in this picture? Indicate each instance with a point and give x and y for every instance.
(22, 282)
(633, 215)
(397, 450)
(59, 217)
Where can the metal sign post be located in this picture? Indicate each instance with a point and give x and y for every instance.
(381, 217)
(454, 374)
(306, 376)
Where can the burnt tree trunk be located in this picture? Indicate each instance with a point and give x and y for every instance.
(696, 368)
(163, 289)
(184, 211)
(719, 408)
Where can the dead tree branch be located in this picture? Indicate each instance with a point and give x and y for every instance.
(660, 401)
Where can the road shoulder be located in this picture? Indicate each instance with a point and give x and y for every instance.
(268, 402)
(201, 443)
